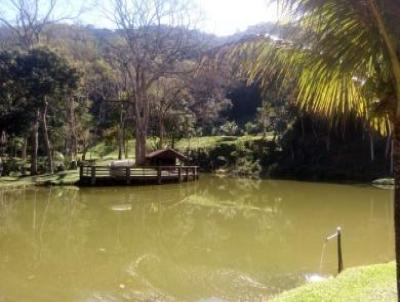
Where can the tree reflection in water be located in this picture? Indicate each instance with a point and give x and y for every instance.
(231, 239)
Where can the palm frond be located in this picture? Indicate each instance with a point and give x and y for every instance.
(338, 52)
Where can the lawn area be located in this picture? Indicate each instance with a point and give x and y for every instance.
(208, 142)
(66, 178)
(375, 283)
(103, 152)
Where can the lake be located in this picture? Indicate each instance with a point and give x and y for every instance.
(219, 239)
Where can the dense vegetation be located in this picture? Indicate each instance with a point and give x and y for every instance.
(67, 89)
(317, 99)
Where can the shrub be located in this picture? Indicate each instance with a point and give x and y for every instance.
(13, 167)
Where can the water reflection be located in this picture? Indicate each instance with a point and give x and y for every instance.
(216, 240)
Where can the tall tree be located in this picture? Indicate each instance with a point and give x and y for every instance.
(40, 77)
(14, 116)
(27, 20)
(158, 34)
(345, 59)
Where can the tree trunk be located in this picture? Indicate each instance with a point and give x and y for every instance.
(162, 131)
(47, 140)
(173, 141)
(396, 155)
(84, 151)
(120, 143)
(35, 142)
(140, 146)
(388, 148)
(73, 137)
(121, 133)
(3, 143)
(392, 159)
(142, 118)
(24, 147)
(126, 143)
(372, 147)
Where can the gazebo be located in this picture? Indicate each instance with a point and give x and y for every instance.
(165, 157)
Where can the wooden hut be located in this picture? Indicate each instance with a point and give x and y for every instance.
(166, 157)
(161, 166)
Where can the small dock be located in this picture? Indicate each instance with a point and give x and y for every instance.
(91, 175)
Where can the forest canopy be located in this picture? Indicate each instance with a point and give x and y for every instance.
(156, 80)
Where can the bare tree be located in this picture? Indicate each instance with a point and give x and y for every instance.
(27, 19)
(115, 56)
(157, 34)
(168, 94)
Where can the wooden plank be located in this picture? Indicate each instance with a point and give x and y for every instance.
(92, 173)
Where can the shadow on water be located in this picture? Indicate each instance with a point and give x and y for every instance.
(215, 240)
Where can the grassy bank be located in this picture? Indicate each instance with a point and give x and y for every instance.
(376, 283)
(66, 178)
(109, 151)
(210, 142)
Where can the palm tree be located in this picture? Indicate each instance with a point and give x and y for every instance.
(344, 59)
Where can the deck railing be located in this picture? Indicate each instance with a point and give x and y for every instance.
(130, 174)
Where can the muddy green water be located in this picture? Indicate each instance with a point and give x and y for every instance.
(219, 239)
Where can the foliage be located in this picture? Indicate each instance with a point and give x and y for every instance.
(229, 129)
(330, 79)
(204, 95)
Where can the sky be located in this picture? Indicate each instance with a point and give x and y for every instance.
(221, 17)
(225, 17)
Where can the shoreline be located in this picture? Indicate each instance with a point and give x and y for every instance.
(371, 283)
(71, 178)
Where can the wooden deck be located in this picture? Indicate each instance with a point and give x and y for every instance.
(90, 175)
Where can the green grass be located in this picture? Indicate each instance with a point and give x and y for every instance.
(103, 152)
(66, 178)
(376, 283)
(208, 142)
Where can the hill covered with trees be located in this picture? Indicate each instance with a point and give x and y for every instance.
(148, 84)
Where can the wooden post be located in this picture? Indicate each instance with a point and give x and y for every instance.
(339, 250)
(180, 173)
(80, 172)
(187, 174)
(128, 175)
(159, 175)
(93, 175)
